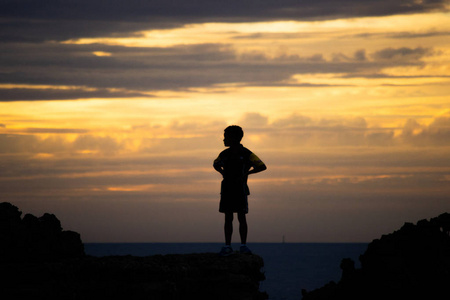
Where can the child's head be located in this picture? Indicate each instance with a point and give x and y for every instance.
(233, 135)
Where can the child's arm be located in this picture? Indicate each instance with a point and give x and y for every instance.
(257, 165)
(218, 166)
(218, 169)
(257, 169)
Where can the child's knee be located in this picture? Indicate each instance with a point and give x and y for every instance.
(242, 218)
(229, 217)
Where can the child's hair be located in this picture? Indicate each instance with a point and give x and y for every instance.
(235, 131)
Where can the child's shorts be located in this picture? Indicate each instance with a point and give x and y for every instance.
(233, 197)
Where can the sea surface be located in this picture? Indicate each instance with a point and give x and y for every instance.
(288, 267)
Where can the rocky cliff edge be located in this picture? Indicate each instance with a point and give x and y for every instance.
(410, 263)
(41, 261)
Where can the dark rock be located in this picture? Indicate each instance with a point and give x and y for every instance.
(33, 238)
(410, 263)
(187, 276)
(41, 261)
(443, 222)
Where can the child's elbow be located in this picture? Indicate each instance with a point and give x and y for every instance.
(262, 168)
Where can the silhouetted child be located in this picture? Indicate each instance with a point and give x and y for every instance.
(235, 164)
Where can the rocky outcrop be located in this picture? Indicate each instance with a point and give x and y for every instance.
(41, 261)
(33, 238)
(181, 276)
(410, 263)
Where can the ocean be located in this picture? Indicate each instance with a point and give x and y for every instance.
(288, 267)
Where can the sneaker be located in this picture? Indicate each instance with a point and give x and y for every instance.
(245, 250)
(226, 251)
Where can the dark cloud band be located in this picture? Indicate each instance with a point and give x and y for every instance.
(28, 20)
(133, 72)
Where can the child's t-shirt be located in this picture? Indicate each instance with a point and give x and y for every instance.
(235, 167)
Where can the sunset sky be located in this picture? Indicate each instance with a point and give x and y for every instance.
(112, 112)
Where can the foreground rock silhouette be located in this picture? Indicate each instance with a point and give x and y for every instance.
(41, 261)
(33, 238)
(410, 263)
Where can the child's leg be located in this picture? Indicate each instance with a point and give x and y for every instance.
(228, 228)
(243, 229)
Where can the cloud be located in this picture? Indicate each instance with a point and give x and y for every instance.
(254, 120)
(413, 35)
(27, 20)
(403, 53)
(131, 68)
(57, 144)
(380, 139)
(198, 137)
(399, 34)
(302, 132)
(106, 145)
(135, 71)
(55, 130)
(35, 94)
(17, 143)
(435, 134)
(295, 130)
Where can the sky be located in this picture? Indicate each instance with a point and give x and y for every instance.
(112, 112)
